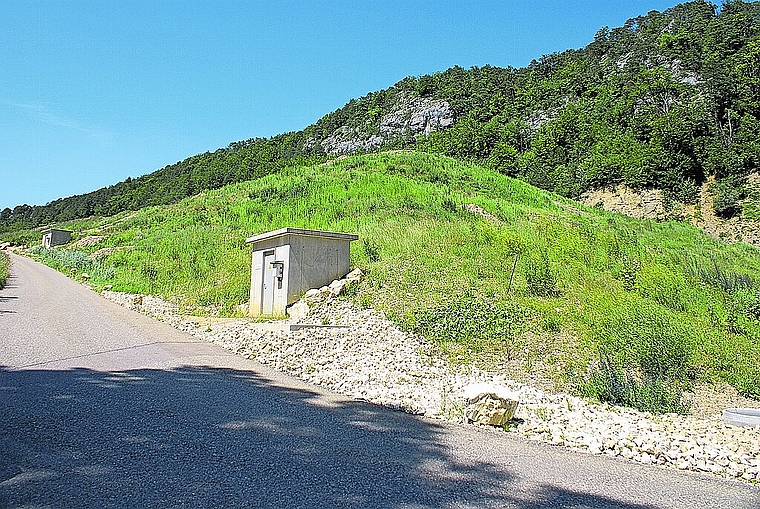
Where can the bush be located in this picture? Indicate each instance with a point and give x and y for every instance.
(612, 383)
(539, 276)
(371, 249)
(645, 360)
(67, 260)
(474, 322)
(728, 193)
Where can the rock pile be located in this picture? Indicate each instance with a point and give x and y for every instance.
(370, 358)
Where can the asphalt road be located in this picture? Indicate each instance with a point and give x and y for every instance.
(103, 407)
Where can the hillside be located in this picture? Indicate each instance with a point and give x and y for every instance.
(492, 270)
(666, 101)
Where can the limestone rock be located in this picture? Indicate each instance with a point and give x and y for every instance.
(313, 296)
(410, 116)
(347, 140)
(416, 115)
(337, 287)
(355, 276)
(488, 404)
(298, 310)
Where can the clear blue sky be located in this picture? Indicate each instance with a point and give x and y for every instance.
(92, 92)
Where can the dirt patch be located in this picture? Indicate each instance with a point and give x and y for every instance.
(479, 211)
(641, 204)
(710, 400)
(89, 240)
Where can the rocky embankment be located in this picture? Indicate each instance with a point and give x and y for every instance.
(360, 353)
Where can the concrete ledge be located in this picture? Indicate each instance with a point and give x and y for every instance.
(301, 231)
(290, 327)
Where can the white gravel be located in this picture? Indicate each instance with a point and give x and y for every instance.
(371, 359)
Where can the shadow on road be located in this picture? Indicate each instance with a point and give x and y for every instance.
(7, 298)
(181, 438)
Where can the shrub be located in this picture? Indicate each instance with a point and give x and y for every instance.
(539, 276)
(67, 260)
(612, 383)
(728, 195)
(474, 322)
(645, 360)
(371, 249)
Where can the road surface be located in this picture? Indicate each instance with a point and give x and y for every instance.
(104, 407)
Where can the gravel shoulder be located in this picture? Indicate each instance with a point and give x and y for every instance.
(363, 355)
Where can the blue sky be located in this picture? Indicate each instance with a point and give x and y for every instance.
(92, 92)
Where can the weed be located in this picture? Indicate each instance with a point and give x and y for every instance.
(714, 275)
(645, 361)
(510, 426)
(542, 413)
(539, 276)
(631, 268)
(74, 262)
(371, 249)
(448, 204)
(351, 289)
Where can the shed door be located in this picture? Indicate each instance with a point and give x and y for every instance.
(269, 283)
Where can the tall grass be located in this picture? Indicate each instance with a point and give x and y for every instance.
(5, 268)
(591, 300)
(73, 262)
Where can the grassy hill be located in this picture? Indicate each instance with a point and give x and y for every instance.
(666, 101)
(493, 270)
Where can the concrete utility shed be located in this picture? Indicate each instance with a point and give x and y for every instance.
(52, 237)
(288, 262)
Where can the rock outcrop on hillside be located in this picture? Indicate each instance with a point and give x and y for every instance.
(411, 116)
(652, 204)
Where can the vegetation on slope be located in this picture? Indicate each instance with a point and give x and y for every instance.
(493, 270)
(5, 267)
(664, 101)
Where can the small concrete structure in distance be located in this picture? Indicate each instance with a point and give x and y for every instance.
(288, 262)
(52, 237)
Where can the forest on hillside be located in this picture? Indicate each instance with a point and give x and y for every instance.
(663, 102)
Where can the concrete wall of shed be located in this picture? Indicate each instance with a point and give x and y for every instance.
(308, 262)
(52, 238)
(316, 262)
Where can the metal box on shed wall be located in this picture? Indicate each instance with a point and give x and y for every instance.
(288, 262)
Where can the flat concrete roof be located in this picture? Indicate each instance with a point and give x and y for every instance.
(48, 230)
(299, 231)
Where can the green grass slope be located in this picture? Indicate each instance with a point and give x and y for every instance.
(494, 271)
(5, 265)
